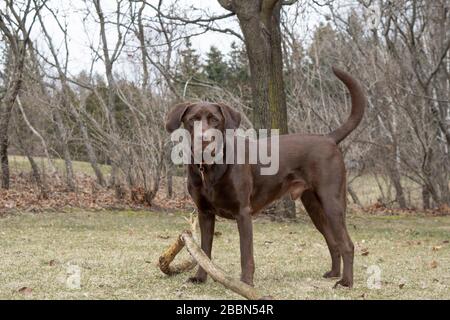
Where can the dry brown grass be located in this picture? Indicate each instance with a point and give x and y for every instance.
(117, 253)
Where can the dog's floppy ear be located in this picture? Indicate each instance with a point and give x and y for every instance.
(231, 116)
(175, 115)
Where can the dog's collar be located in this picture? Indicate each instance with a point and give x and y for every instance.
(201, 168)
(214, 171)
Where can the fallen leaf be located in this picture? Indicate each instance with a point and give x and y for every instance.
(217, 233)
(401, 285)
(25, 291)
(364, 252)
(437, 248)
(446, 241)
(434, 264)
(165, 237)
(51, 263)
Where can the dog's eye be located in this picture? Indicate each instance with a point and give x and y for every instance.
(192, 121)
(213, 120)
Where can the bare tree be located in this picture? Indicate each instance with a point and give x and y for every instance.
(15, 27)
(109, 57)
(68, 104)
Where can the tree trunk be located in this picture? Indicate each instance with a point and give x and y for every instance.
(6, 106)
(14, 69)
(260, 25)
(113, 151)
(4, 151)
(426, 198)
(35, 172)
(90, 151)
(5, 116)
(108, 59)
(354, 196)
(65, 148)
(169, 183)
(445, 192)
(277, 94)
(394, 175)
(53, 170)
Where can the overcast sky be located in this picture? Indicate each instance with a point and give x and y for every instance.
(82, 35)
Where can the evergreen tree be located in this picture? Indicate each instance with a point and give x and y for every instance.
(189, 70)
(239, 73)
(238, 65)
(216, 68)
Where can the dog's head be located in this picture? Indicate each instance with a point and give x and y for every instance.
(217, 116)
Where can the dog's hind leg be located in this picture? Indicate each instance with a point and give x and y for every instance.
(315, 211)
(334, 207)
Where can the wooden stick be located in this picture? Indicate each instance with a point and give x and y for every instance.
(168, 256)
(198, 256)
(189, 239)
(215, 272)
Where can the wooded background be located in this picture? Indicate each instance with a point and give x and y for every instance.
(275, 74)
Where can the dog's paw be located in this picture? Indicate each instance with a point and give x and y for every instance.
(331, 274)
(343, 283)
(197, 280)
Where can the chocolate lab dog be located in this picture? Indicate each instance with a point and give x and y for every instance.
(311, 167)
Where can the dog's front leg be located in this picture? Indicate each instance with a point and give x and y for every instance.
(244, 222)
(206, 222)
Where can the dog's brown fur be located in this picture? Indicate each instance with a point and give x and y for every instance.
(311, 168)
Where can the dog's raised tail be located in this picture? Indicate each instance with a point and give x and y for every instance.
(359, 103)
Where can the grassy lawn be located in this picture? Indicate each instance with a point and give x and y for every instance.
(116, 253)
(367, 188)
(21, 164)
